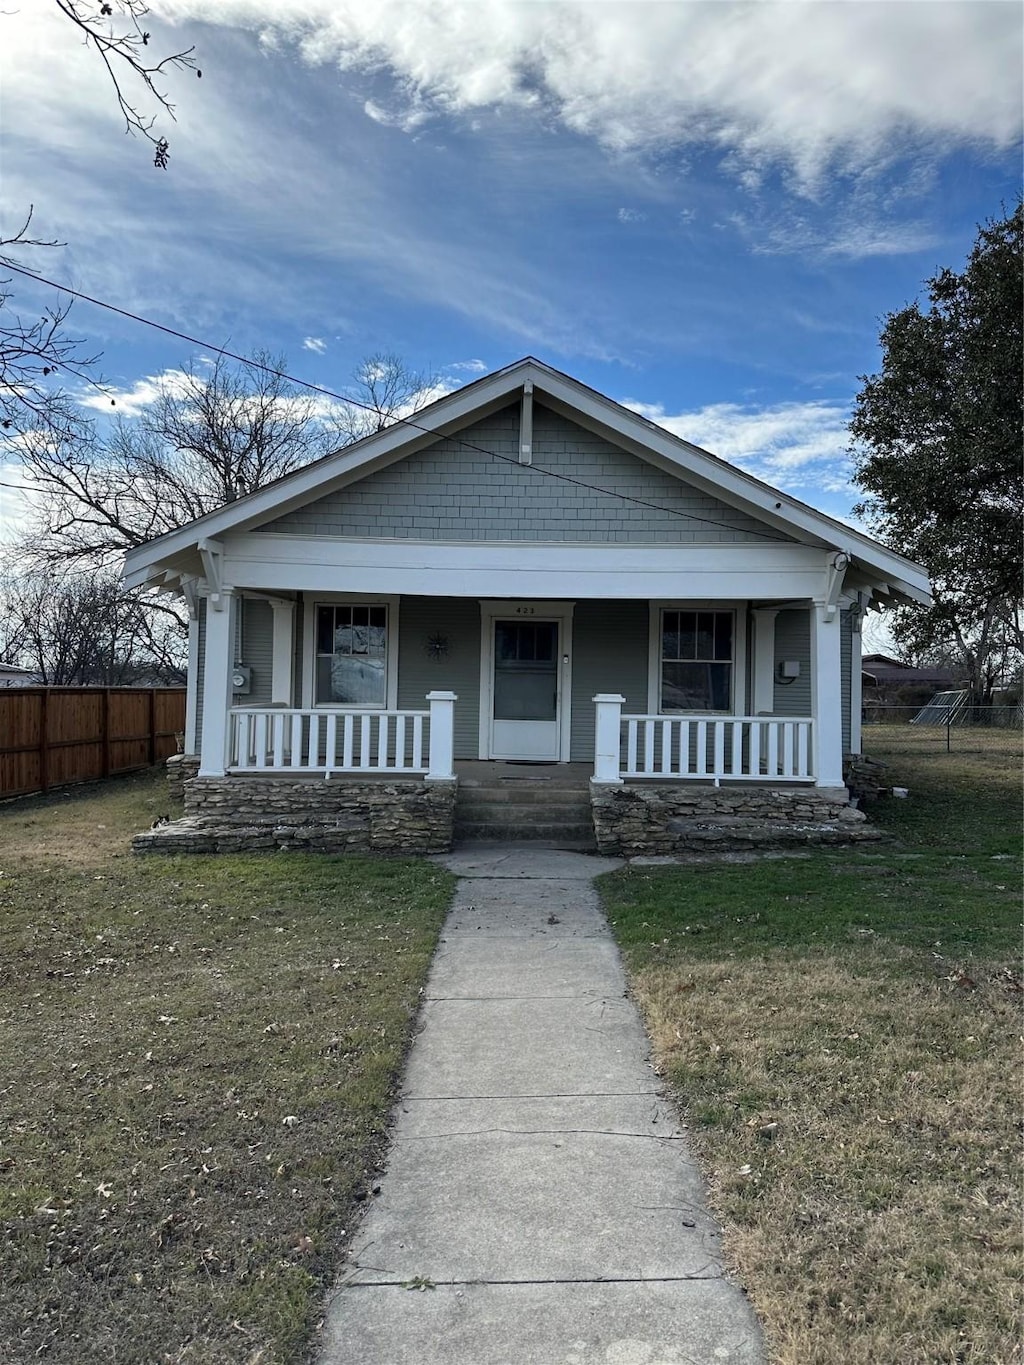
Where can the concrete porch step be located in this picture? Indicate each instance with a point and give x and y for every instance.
(556, 834)
(485, 806)
(524, 794)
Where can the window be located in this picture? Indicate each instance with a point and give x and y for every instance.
(351, 655)
(696, 660)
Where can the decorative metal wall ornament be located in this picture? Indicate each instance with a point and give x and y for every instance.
(437, 646)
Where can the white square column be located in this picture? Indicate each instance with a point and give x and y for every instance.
(827, 695)
(217, 690)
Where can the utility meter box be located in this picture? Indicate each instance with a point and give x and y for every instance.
(790, 668)
(241, 679)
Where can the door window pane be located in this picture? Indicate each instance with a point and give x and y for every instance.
(525, 670)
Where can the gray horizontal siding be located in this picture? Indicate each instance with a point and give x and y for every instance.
(458, 671)
(257, 651)
(845, 657)
(453, 492)
(793, 641)
(610, 641)
(200, 673)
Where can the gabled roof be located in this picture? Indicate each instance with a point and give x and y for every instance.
(583, 405)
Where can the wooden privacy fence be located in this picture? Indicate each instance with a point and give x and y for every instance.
(52, 736)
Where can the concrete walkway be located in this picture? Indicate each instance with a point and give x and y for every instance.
(540, 1206)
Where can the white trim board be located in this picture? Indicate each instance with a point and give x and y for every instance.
(458, 569)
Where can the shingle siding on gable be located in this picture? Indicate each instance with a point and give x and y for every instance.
(452, 492)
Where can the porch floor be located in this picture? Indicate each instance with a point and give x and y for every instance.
(473, 772)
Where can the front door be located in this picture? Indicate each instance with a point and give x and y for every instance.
(525, 711)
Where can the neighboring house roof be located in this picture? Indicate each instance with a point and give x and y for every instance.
(173, 551)
(13, 675)
(880, 670)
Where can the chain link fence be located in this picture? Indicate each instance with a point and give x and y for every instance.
(946, 724)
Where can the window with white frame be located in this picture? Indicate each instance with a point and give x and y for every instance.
(697, 658)
(351, 654)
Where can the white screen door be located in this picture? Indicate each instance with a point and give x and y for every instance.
(525, 715)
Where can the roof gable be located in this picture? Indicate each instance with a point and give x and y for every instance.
(777, 512)
(580, 487)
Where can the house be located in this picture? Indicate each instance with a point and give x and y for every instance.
(13, 675)
(888, 678)
(525, 572)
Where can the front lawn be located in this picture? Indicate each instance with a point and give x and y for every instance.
(843, 1034)
(199, 1059)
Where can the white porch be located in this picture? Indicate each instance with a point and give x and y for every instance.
(639, 733)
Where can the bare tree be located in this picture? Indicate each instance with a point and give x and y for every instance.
(82, 629)
(385, 389)
(35, 351)
(36, 354)
(214, 433)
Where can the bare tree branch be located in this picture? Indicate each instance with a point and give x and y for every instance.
(386, 389)
(126, 49)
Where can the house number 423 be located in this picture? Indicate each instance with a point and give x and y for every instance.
(525, 611)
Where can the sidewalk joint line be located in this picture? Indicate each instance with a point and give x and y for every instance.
(542, 1095)
(697, 1277)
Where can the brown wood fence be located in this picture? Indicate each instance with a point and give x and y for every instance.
(53, 736)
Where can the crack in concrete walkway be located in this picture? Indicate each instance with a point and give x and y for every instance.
(524, 1196)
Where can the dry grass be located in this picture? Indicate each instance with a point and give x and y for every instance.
(198, 1066)
(843, 1033)
(880, 1220)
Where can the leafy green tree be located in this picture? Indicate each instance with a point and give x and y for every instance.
(938, 435)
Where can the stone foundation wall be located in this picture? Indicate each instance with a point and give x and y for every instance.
(181, 768)
(646, 819)
(233, 814)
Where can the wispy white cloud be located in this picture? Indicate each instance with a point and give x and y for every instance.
(316, 344)
(135, 398)
(794, 446)
(469, 366)
(15, 501)
(625, 215)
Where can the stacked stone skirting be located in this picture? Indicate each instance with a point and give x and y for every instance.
(241, 814)
(181, 768)
(635, 819)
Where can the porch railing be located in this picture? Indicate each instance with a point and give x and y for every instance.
(275, 739)
(715, 748)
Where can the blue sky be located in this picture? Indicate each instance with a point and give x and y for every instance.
(700, 209)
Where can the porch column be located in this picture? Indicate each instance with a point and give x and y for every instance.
(827, 695)
(441, 760)
(856, 680)
(764, 662)
(217, 693)
(281, 668)
(608, 713)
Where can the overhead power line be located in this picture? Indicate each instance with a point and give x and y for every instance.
(368, 407)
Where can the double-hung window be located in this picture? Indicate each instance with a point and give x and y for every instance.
(697, 660)
(351, 654)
